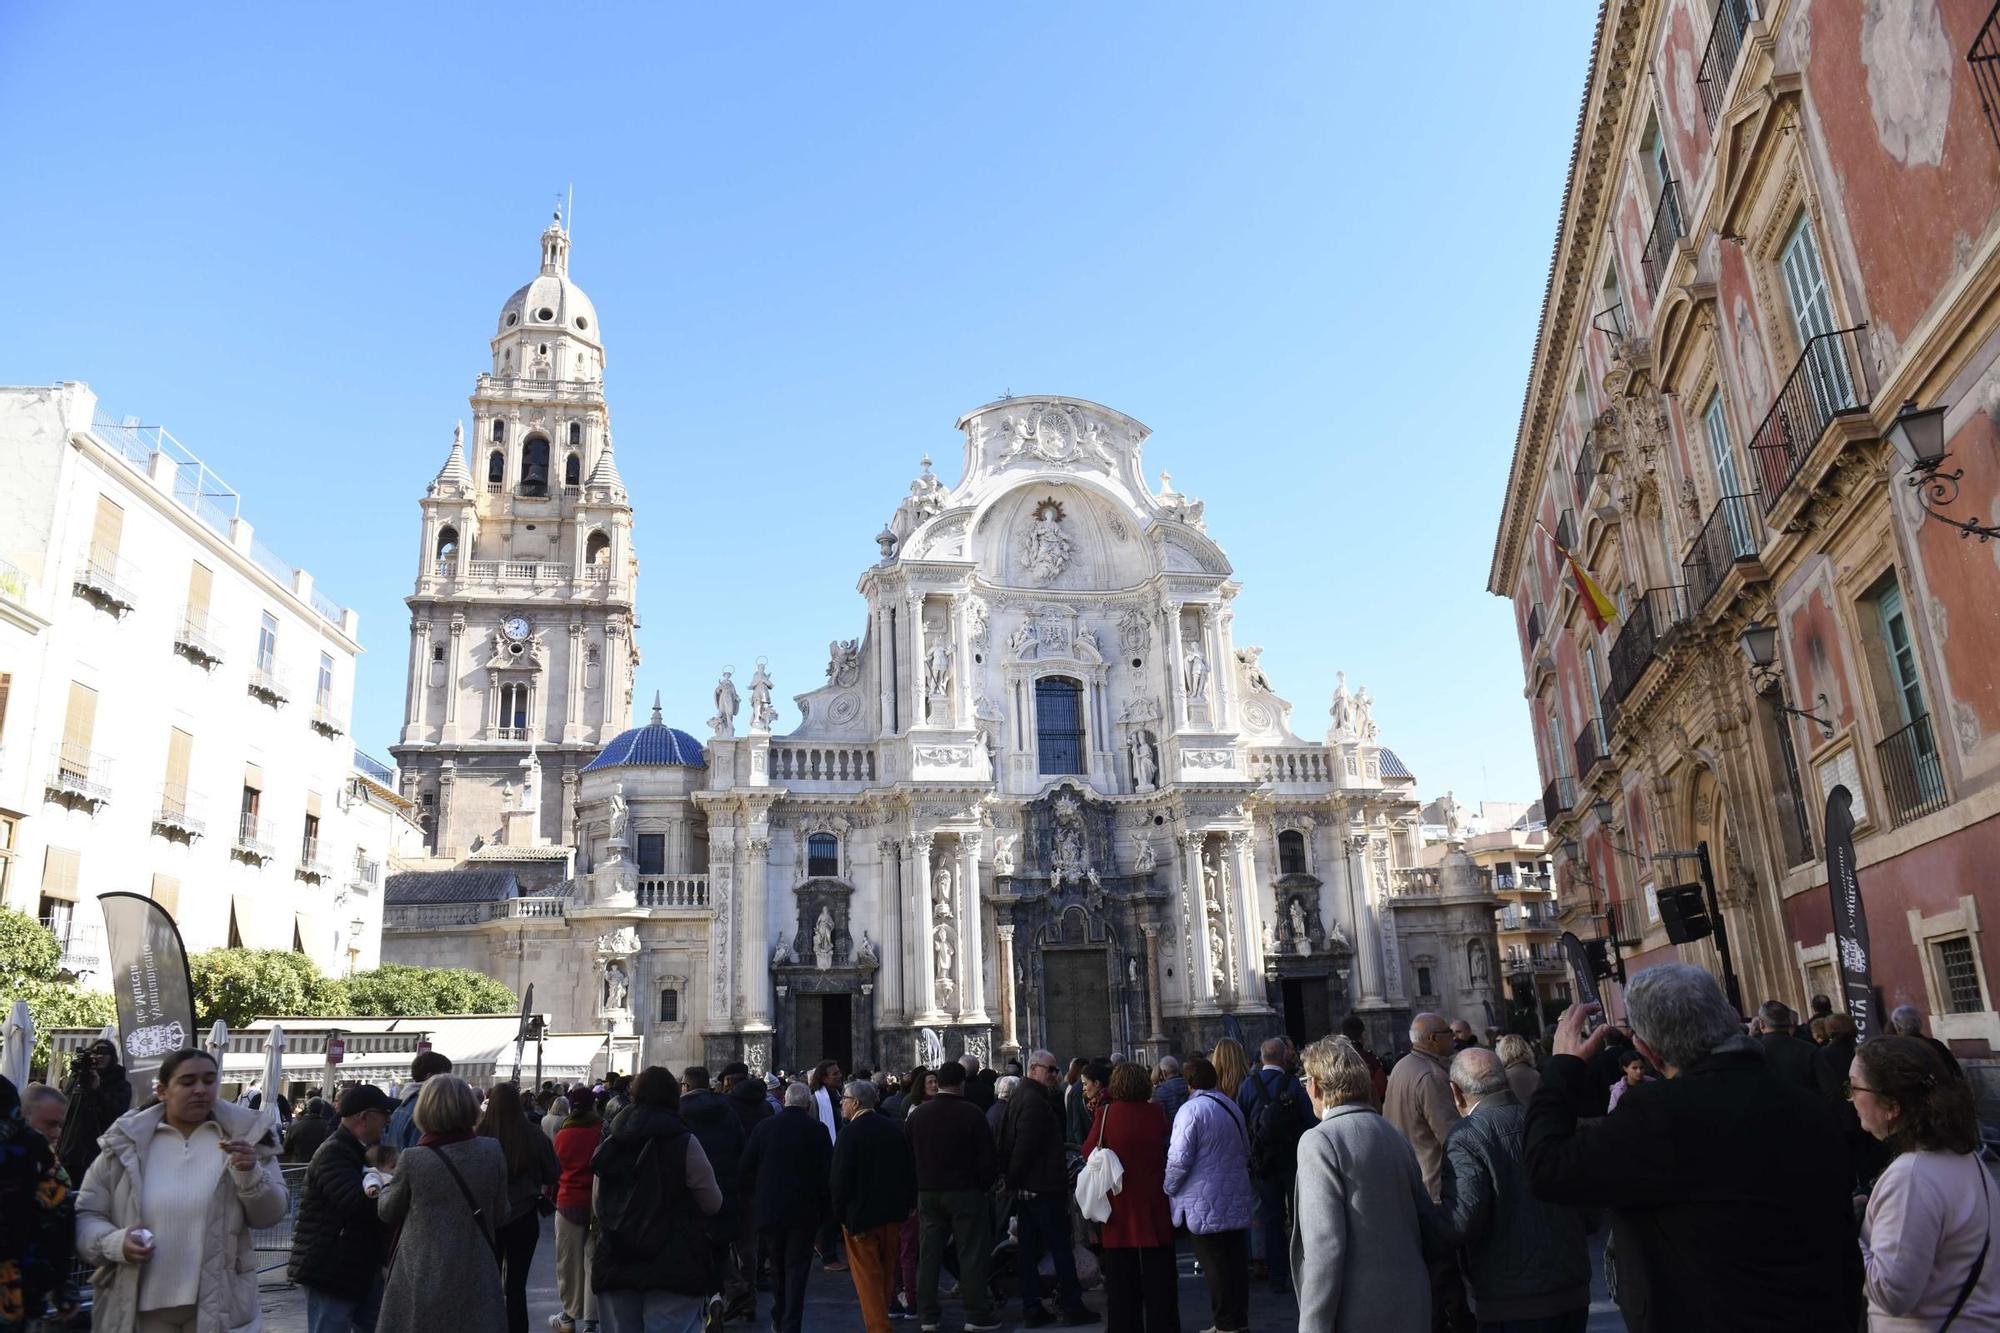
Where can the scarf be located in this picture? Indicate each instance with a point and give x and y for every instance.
(440, 1140)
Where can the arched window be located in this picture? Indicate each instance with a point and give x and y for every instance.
(576, 435)
(822, 855)
(597, 550)
(447, 543)
(535, 466)
(496, 468)
(1059, 724)
(499, 431)
(513, 712)
(573, 471)
(670, 1005)
(1291, 852)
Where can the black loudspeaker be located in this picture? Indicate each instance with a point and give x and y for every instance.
(1684, 913)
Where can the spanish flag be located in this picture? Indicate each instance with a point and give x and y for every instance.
(1596, 605)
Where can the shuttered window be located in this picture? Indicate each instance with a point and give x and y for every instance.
(201, 581)
(167, 893)
(6, 680)
(106, 531)
(180, 752)
(59, 873)
(79, 724)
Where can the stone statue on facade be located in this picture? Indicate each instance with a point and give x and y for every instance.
(762, 713)
(781, 953)
(1194, 673)
(1047, 548)
(1023, 642)
(617, 989)
(727, 705)
(1146, 860)
(1253, 672)
(1364, 715)
(1270, 939)
(1218, 974)
(937, 666)
(1084, 646)
(843, 665)
(822, 940)
(941, 892)
(865, 951)
(1342, 711)
(619, 817)
(1003, 854)
(1298, 916)
(1145, 767)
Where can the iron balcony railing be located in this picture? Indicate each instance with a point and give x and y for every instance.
(175, 812)
(1912, 772)
(1652, 617)
(13, 583)
(1734, 531)
(198, 638)
(1628, 920)
(1718, 61)
(373, 768)
(1607, 709)
(326, 721)
(310, 866)
(1826, 383)
(1984, 57)
(80, 772)
(1591, 747)
(1659, 251)
(1557, 798)
(265, 685)
(253, 838)
(103, 578)
(1586, 470)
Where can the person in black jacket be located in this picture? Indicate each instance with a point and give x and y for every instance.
(98, 1094)
(1728, 1189)
(1525, 1262)
(654, 1188)
(874, 1187)
(338, 1240)
(1786, 1054)
(310, 1130)
(785, 1174)
(1037, 1170)
(712, 1119)
(1830, 1064)
(1906, 1020)
(956, 1166)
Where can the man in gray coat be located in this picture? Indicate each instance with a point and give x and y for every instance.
(1525, 1261)
(1366, 1230)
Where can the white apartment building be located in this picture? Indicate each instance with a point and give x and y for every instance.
(173, 703)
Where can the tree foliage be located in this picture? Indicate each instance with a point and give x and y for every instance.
(28, 950)
(395, 989)
(237, 985)
(29, 968)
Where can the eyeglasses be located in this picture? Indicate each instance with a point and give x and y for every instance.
(1853, 1088)
(1051, 1068)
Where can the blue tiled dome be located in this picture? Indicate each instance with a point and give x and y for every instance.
(656, 744)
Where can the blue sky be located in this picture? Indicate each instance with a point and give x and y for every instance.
(1306, 244)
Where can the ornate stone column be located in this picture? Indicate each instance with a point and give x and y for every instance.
(913, 683)
(1009, 1036)
(971, 934)
(1376, 881)
(1201, 976)
(918, 909)
(1361, 915)
(1249, 904)
(885, 668)
(572, 731)
(889, 882)
(1177, 710)
(1156, 1035)
(420, 680)
(453, 663)
(756, 882)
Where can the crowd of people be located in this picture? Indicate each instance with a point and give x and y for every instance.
(1746, 1176)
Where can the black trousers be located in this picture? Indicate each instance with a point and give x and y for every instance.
(1141, 1290)
(791, 1251)
(518, 1239)
(1224, 1257)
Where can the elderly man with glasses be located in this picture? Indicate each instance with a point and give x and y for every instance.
(874, 1189)
(1037, 1171)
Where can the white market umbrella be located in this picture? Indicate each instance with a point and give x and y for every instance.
(218, 1042)
(109, 1034)
(18, 1045)
(274, 1066)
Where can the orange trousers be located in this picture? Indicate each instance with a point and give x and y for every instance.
(871, 1259)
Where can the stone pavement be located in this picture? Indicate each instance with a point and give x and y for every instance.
(830, 1306)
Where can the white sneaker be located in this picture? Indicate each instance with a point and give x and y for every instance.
(561, 1323)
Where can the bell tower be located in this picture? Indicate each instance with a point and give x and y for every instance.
(521, 625)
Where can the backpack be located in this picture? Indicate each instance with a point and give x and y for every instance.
(643, 1219)
(1277, 1123)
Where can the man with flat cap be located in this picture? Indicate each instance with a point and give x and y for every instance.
(337, 1242)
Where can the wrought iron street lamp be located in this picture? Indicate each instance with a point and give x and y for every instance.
(1760, 647)
(1917, 436)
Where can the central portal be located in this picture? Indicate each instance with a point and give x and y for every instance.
(826, 1030)
(1078, 986)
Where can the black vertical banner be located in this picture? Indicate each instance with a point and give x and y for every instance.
(1579, 965)
(1850, 917)
(149, 977)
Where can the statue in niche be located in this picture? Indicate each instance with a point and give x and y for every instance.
(1003, 854)
(843, 665)
(941, 893)
(1023, 641)
(941, 946)
(1342, 711)
(1145, 767)
(1298, 916)
(620, 813)
(1217, 973)
(937, 665)
(762, 713)
(1338, 935)
(823, 939)
(781, 953)
(865, 951)
(1270, 939)
(1071, 861)
(1475, 962)
(616, 987)
(1194, 674)
(1132, 973)
(727, 705)
(1364, 715)
(1046, 549)
(1084, 646)
(1147, 860)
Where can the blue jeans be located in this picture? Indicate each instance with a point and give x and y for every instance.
(651, 1311)
(331, 1314)
(1272, 1196)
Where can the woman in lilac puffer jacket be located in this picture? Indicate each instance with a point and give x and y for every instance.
(1208, 1181)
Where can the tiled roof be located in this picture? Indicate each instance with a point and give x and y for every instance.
(414, 887)
(1392, 767)
(655, 744)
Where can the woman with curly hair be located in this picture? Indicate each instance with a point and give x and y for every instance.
(1927, 1239)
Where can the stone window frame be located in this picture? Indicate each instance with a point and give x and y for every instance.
(1927, 933)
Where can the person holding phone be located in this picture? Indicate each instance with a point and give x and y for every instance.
(169, 1204)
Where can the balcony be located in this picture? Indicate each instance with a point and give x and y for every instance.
(79, 776)
(1415, 882)
(101, 579)
(13, 583)
(1655, 615)
(1557, 798)
(81, 947)
(1718, 60)
(822, 763)
(197, 638)
(444, 569)
(511, 733)
(1518, 961)
(1292, 765)
(1522, 881)
(1912, 772)
(1825, 384)
(1628, 921)
(265, 686)
(673, 891)
(174, 817)
(367, 874)
(327, 722)
(1532, 916)
(253, 840)
(310, 866)
(1734, 531)
(1592, 748)
(1658, 255)
(1587, 464)
(1984, 57)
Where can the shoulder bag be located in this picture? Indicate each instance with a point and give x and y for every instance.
(1979, 1264)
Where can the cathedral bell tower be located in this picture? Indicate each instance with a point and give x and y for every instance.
(521, 626)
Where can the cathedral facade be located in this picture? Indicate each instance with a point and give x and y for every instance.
(1042, 796)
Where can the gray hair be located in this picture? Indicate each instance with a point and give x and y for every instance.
(798, 1094)
(1478, 1073)
(560, 1106)
(36, 1093)
(1004, 1087)
(1513, 1049)
(1777, 1015)
(1679, 1010)
(1274, 1050)
(970, 1062)
(1040, 1057)
(862, 1093)
(1906, 1020)
(1168, 1067)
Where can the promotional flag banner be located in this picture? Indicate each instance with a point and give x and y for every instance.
(1850, 917)
(1578, 958)
(149, 978)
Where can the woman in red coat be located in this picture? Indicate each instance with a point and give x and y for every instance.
(1141, 1282)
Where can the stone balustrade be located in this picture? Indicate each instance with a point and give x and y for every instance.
(673, 891)
(1415, 882)
(1308, 765)
(822, 763)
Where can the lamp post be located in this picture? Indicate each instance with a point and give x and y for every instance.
(1760, 647)
(354, 929)
(1917, 436)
